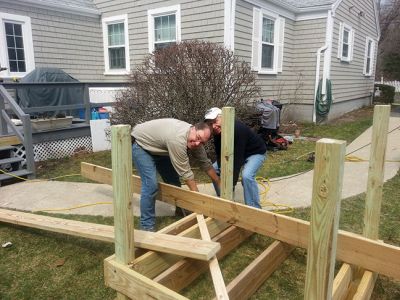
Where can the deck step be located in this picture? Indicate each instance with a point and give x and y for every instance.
(10, 160)
(7, 140)
(18, 173)
(5, 148)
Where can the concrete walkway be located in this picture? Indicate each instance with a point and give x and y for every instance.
(294, 191)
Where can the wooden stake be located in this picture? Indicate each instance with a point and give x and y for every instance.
(227, 143)
(326, 196)
(121, 156)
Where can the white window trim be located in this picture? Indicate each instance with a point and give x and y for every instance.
(279, 25)
(342, 27)
(112, 20)
(169, 10)
(372, 55)
(28, 45)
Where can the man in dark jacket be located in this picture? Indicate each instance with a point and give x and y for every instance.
(249, 153)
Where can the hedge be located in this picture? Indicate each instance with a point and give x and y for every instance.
(387, 93)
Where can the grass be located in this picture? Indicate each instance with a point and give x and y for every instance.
(44, 265)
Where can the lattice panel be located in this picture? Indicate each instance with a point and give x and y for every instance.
(56, 149)
(62, 148)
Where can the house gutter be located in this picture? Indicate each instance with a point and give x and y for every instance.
(327, 50)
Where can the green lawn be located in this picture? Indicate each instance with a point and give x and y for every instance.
(44, 265)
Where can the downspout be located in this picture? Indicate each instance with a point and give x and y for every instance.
(327, 49)
(229, 23)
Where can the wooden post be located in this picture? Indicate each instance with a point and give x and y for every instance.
(375, 174)
(325, 206)
(227, 142)
(121, 156)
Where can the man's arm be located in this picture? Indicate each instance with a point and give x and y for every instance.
(214, 177)
(191, 183)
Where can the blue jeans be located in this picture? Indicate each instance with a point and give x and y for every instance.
(148, 165)
(250, 187)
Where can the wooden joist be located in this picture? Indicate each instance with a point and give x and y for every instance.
(185, 271)
(351, 248)
(342, 282)
(254, 275)
(134, 285)
(176, 245)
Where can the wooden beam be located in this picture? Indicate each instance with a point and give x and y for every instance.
(185, 271)
(366, 286)
(153, 263)
(373, 198)
(342, 282)
(227, 152)
(134, 285)
(351, 248)
(9, 140)
(121, 156)
(254, 275)
(216, 274)
(325, 211)
(176, 245)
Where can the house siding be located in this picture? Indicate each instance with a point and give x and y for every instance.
(199, 20)
(348, 80)
(62, 40)
(295, 84)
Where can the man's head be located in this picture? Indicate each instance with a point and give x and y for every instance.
(199, 134)
(213, 118)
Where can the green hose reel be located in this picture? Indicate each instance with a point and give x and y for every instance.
(323, 102)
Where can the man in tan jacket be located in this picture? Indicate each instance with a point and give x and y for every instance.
(162, 146)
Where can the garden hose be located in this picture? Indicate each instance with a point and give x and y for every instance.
(323, 102)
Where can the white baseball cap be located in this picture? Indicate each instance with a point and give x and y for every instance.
(212, 113)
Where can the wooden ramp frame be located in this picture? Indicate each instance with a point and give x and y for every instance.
(163, 271)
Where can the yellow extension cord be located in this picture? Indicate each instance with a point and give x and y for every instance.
(264, 182)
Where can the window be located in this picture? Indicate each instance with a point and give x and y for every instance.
(164, 27)
(268, 35)
(116, 45)
(16, 49)
(369, 55)
(346, 42)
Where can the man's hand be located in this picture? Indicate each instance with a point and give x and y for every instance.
(192, 185)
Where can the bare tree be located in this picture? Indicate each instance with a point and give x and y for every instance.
(183, 81)
(389, 42)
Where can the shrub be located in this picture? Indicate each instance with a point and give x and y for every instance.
(183, 81)
(386, 95)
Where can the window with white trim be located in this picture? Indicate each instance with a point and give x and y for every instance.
(116, 45)
(16, 47)
(346, 42)
(369, 56)
(267, 42)
(164, 25)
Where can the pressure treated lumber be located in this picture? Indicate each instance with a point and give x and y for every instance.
(373, 198)
(121, 157)
(185, 271)
(341, 282)
(134, 285)
(216, 274)
(325, 211)
(176, 245)
(366, 286)
(153, 263)
(254, 275)
(227, 152)
(351, 248)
